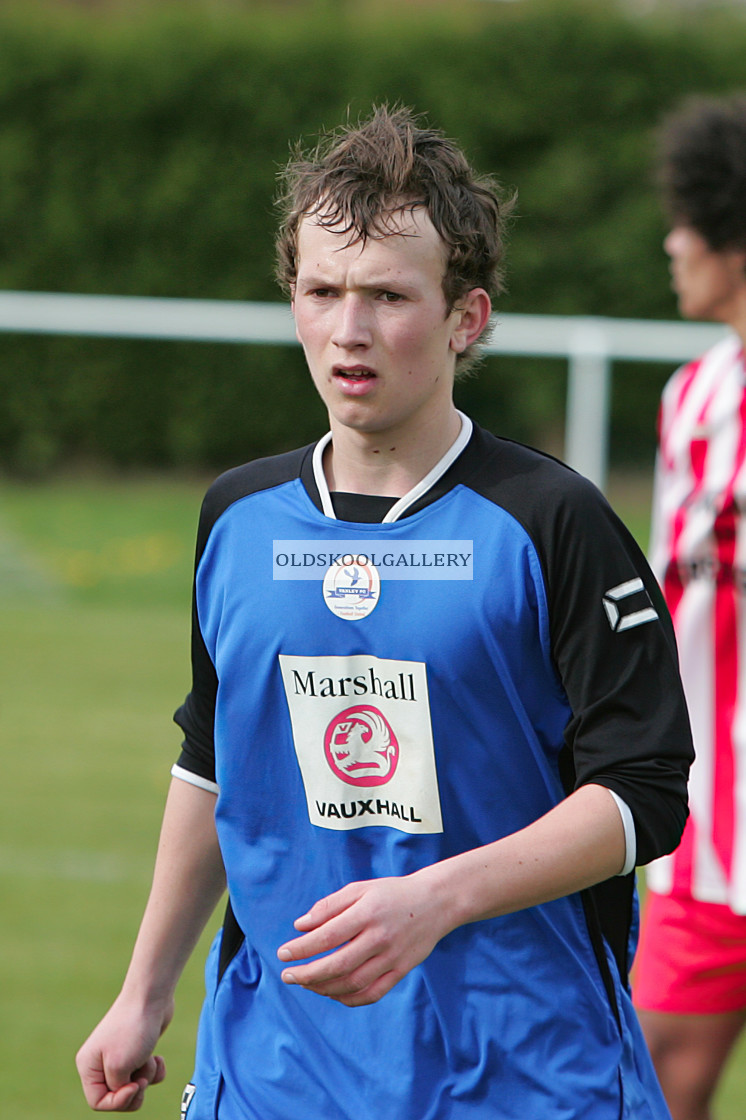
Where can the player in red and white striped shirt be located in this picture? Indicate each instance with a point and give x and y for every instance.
(690, 980)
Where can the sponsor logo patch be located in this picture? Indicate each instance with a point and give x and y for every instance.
(363, 738)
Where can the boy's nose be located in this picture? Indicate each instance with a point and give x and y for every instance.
(352, 327)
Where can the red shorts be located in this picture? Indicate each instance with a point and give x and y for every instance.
(691, 959)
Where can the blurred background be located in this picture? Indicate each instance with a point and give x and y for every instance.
(139, 146)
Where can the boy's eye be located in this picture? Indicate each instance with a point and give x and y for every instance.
(321, 293)
(392, 297)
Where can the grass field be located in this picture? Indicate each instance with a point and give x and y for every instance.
(94, 606)
(94, 594)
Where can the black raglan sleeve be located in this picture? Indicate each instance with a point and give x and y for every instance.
(614, 648)
(611, 637)
(196, 716)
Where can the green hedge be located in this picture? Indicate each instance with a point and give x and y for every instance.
(138, 155)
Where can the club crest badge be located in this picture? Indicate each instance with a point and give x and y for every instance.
(352, 591)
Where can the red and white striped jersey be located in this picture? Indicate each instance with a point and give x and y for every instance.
(698, 553)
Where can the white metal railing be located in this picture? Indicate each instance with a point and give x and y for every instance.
(589, 344)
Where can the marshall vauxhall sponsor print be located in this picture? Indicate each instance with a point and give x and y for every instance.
(363, 736)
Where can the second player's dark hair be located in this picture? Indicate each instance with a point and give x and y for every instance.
(702, 168)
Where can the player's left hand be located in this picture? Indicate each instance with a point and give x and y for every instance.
(374, 932)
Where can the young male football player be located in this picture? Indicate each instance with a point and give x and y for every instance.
(690, 985)
(435, 717)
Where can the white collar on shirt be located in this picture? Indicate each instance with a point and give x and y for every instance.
(402, 504)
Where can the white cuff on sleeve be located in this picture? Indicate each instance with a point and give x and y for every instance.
(630, 836)
(194, 779)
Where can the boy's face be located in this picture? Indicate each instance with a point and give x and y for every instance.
(708, 282)
(374, 326)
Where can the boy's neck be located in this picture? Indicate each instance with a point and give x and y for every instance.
(389, 464)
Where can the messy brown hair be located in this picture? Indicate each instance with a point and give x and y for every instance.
(359, 178)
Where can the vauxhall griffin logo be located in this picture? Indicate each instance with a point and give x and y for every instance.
(628, 605)
(361, 747)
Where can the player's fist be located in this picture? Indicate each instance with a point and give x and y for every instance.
(116, 1064)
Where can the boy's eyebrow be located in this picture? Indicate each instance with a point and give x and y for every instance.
(374, 282)
(314, 279)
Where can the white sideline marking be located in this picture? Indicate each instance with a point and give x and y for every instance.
(78, 866)
(21, 571)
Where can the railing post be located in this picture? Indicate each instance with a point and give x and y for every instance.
(588, 390)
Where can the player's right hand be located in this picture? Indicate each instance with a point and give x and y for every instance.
(116, 1064)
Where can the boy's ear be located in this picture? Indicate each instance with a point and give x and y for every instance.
(470, 316)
